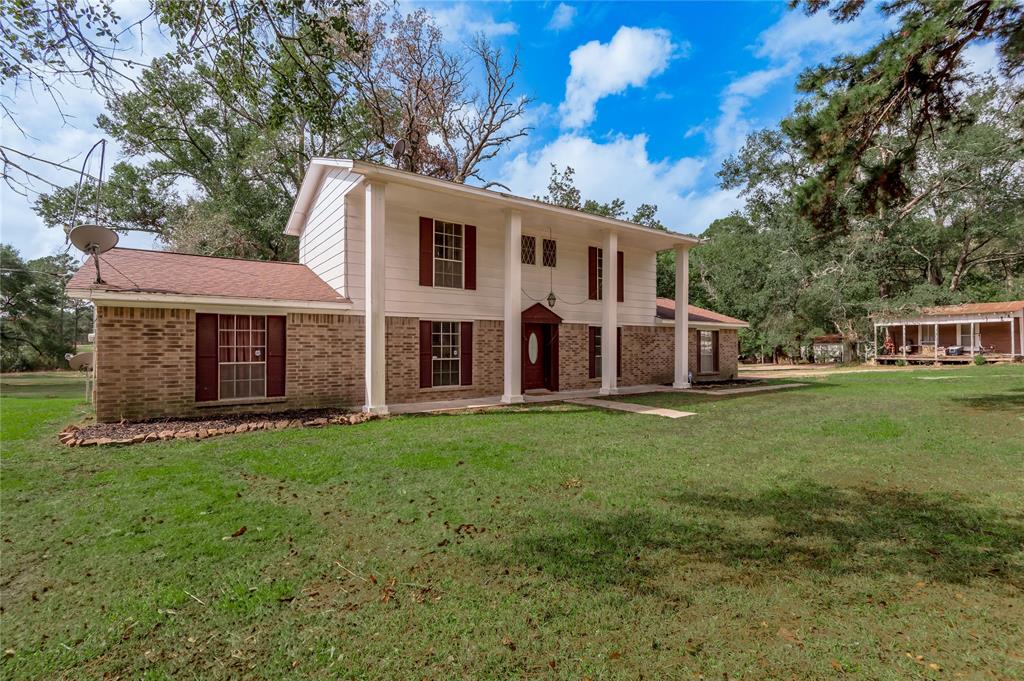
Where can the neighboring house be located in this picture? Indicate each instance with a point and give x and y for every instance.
(409, 289)
(952, 333)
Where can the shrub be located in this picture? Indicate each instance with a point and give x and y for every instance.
(901, 362)
(980, 360)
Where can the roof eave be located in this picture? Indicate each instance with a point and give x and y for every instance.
(106, 295)
(377, 172)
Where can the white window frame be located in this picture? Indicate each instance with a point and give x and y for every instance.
(462, 254)
(600, 274)
(701, 355)
(926, 334)
(455, 353)
(221, 365)
(971, 334)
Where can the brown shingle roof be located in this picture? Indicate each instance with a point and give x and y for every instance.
(129, 270)
(975, 308)
(667, 310)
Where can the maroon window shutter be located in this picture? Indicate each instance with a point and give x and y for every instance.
(426, 252)
(618, 351)
(619, 281)
(276, 355)
(206, 357)
(466, 348)
(469, 255)
(426, 354)
(592, 274)
(592, 349)
(714, 344)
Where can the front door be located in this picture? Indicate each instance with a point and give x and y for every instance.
(534, 349)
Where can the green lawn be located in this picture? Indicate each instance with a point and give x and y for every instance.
(867, 526)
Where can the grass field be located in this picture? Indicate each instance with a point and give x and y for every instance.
(868, 526)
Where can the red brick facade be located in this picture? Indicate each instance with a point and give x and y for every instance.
(145, 362)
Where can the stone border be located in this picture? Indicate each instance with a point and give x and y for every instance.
(72, 436)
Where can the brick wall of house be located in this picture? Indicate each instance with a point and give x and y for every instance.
(648, 355)
(145, 364)
(402, 338)
(574, 358)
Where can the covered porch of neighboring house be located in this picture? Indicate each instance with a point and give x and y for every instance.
(953, 334)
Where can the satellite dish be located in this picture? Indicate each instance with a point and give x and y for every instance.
(93, 239)
(398, 151)
(82, 360)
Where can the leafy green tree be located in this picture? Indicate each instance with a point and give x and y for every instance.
(38, 322)
(911, 81)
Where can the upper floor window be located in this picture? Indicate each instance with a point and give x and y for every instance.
(600, 274)
(550, 253)
(448, 254)
(529, 250)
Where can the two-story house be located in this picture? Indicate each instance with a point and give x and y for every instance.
(408, 289)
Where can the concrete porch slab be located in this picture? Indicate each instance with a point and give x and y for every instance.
(630, 407)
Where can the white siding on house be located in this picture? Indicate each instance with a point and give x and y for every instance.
(333, 245)
(322, 244)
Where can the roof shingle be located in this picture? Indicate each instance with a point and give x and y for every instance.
(698, 315)
(129, 270)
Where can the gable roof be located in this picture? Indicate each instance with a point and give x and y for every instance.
(1012, 307)
(697, 315)
(135, 271)
(360, 170)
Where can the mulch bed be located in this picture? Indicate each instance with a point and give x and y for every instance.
(124, 433)
(735, 383)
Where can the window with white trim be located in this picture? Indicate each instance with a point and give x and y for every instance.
(448, 254)
(445, 342)
(966, 335)
(242, 356)
(927, 334)
(600, 273)
(707, 352)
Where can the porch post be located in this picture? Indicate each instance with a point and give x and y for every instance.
(682, 329)
(876, 342)
(376, 401)
(973, 342)
(936, 343)
(609, 313)
(513, 320)
(903, 340)
(1013, 340)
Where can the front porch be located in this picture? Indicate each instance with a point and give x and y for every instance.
(950, 340)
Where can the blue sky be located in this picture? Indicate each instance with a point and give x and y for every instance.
(644, 100)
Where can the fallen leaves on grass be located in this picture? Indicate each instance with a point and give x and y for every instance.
(508, 643)
(790, 636)
(572, 483)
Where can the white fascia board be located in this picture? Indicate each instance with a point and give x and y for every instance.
(981, 319)
(703, 326)
(310, 189)
(170, 300)
(385, 174)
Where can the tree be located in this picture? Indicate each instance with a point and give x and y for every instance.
(222, 138)
(912, 80)
(38, 322)
(50, 45)
(414, 89)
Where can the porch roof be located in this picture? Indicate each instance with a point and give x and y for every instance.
(954, 314)
(698, 315)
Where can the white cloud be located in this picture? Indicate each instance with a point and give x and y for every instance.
(982, 58)
(621, 168)
(460, 21)
(629, 59)
(732, 127)
(817, 37)
(562, 17)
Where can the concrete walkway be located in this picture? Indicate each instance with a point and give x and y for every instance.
(630, 407)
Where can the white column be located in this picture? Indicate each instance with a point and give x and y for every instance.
(376, 401)
(903, 340)
(936, 343)
(876, 343)
(513, 391)
(682, 346)
(974, 340)
(609, 313)
(1013, 339)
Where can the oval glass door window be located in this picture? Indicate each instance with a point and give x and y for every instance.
(533, 348)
